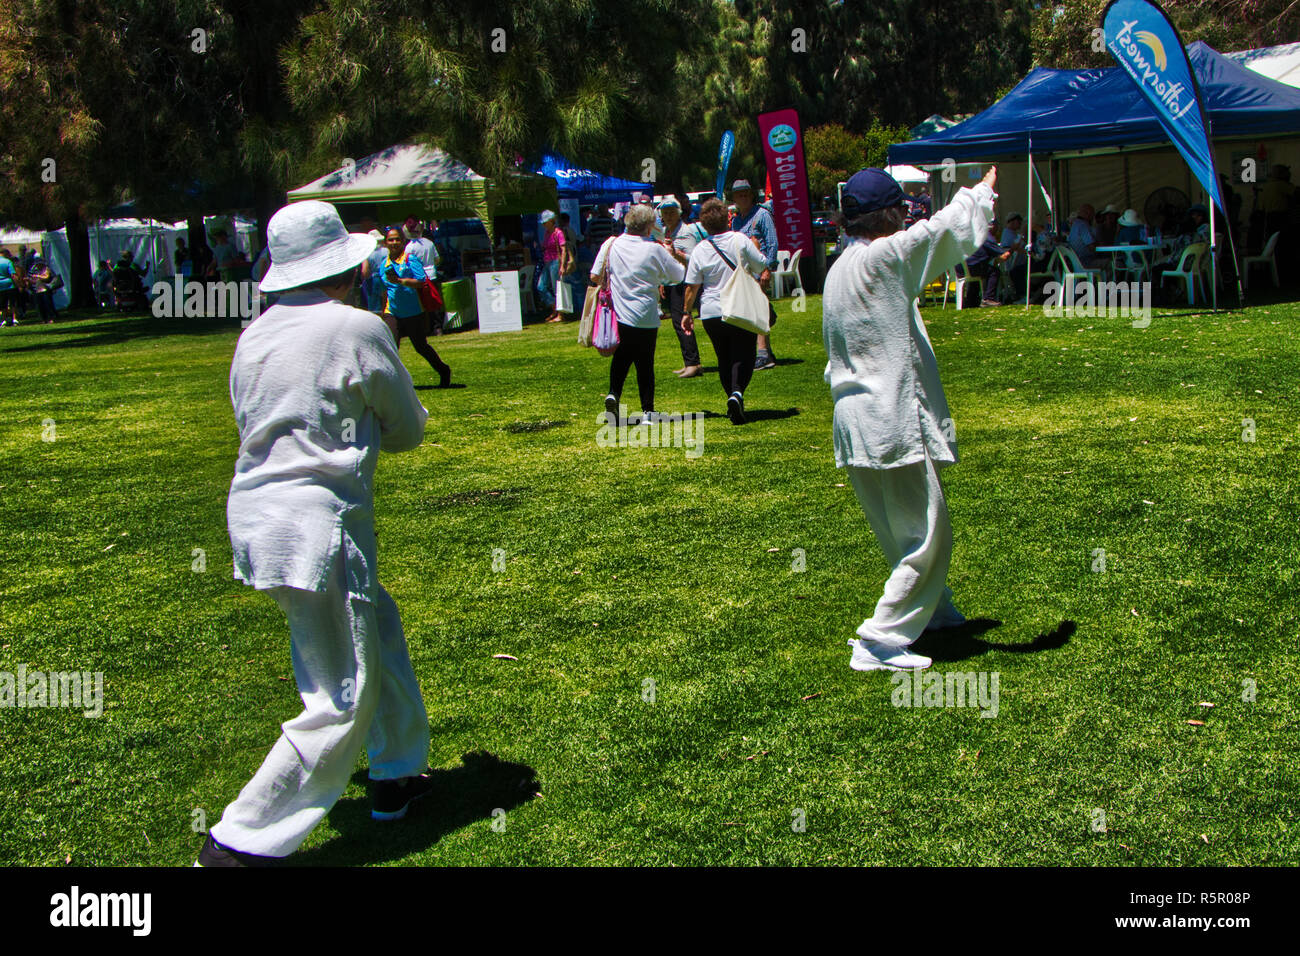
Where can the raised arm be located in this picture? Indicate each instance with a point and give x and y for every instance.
(934, 245)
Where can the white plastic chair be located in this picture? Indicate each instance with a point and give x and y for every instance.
(1268, 257)
(1067, 268)
(526, 297)
(962, 279)
(1188, 269)
(786, 268)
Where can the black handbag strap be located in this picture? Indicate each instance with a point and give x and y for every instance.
(731, 264)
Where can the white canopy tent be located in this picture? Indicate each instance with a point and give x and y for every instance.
(148, 240)
(906, 175)
(1281, 63)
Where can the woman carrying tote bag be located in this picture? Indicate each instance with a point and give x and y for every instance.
(635, 266)
(731, 320)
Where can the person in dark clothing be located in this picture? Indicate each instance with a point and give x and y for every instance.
(982, 264)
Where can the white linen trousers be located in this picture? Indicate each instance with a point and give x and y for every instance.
(909, 515)
(358, 690)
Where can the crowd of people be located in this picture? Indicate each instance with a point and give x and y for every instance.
(1005, 263)
(667, 261)
(319, 390)
(26, 280)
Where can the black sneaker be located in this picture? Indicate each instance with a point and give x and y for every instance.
(736, 408)
(215, 854)
(444, 375)
(611, 408)
(764, 360)
(392, 798)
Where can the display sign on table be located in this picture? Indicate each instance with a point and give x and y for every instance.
(499, 309)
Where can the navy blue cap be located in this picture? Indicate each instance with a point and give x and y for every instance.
(870, 189)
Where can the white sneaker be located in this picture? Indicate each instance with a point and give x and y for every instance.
(877, 657)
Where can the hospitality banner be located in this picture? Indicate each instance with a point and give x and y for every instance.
(1146, 44)
(783, 151)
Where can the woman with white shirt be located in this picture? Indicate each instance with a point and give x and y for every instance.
(711, 265)
(637, 267)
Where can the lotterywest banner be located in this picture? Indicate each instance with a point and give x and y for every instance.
(783, 151)
(1146, 44)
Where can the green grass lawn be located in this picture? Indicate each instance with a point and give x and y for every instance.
(628, 565)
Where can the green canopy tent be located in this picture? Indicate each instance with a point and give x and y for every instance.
(423, 180)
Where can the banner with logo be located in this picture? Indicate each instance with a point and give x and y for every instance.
(724, 161)
(782, 140)
(1146, 44)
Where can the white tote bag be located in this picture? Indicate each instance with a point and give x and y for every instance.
(564, 297)
(743, 303)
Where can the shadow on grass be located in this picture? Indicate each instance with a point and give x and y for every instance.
(758, 414)
(103, 330)
(959, 643)
(440, 388)
(482, 784)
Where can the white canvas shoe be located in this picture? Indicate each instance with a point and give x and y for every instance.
(878, 657)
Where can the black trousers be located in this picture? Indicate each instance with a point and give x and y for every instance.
(676, 296)
(415, 328)
(736, 350)
(635, 347)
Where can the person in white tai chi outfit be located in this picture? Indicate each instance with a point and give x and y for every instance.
(892, 428)
(318, 391)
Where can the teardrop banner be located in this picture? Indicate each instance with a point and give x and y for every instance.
(782, 139)
(1141, 38)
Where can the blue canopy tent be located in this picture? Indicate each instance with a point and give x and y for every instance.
(589, 187)
(1053, 111)
(1072, 114)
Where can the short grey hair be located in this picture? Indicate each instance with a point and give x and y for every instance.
(639, 219)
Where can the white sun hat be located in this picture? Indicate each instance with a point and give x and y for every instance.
(307, 242)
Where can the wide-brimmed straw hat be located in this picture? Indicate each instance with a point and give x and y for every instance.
(1130, 218)
(307, 242)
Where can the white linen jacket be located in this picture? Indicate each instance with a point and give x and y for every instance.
(318, 390)
(890, 409)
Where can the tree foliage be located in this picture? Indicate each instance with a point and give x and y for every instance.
(493, 82)
(1062, 34)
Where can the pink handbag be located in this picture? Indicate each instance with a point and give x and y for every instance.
(605, 335)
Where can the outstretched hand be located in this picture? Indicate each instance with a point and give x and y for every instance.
(991, 178)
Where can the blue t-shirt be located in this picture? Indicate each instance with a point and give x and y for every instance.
(759, 223)
(403, 301)
(6, 275)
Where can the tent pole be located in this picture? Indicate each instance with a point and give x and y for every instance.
(1214, 266)
(1029, 224)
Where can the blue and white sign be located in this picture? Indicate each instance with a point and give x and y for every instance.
(1145, 43)
(724, 161)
